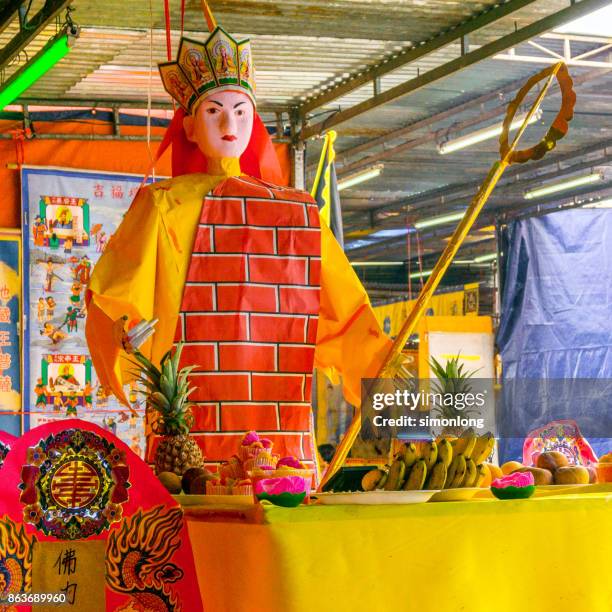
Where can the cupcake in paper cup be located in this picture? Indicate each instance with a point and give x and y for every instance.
(518, 485)
(232, 469)
(215, 487)
(250, 447)
(264, 460)
(243, 487)
(287, 491)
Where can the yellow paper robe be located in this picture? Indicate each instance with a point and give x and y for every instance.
(143, 270)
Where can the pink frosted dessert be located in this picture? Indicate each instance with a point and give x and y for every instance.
(289, 462)
(516, 479)
(518, 485)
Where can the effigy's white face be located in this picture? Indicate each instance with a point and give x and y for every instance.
(221, 125)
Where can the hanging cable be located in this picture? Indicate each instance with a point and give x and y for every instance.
(168, 31)
(420, 257)
(149, 90)
(409, 239)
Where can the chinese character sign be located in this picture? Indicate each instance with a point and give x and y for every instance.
(69, 218)
(10, 316)
(72, 570)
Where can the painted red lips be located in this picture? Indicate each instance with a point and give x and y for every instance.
(230, 137)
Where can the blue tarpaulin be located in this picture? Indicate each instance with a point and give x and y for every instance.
(556, 323)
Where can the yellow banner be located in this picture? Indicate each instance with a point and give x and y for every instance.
(72, 570)
(457, 303)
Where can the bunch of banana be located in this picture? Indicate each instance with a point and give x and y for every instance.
(375, 479)
(434, 465)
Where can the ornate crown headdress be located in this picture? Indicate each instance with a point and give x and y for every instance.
(220, 63)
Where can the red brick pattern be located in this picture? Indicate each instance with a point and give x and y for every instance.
(275, 269)
(205, 417)
(294, 417)
(202, 354)
(299, 299)
(244, 240)
(277, 213)
(240, 417)
(198, 298)
(295, 358)
(236, 356)
(311, 330)
(203, 241)
(249, 315)
(299, 242)
(215, 326)
(246, 298)
(280, 387)
(215, 268)
(275, 328)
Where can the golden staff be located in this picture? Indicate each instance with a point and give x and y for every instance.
(508, 155)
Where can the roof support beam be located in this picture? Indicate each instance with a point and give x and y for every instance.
(411, 54)
(34, 26)
(390, 151)
(497, 208)
(8, 12)
(459, 193)
(532, 30)
(115, 102)
(400, 133)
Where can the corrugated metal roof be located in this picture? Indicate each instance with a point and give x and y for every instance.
(303, 47)
(298, 46)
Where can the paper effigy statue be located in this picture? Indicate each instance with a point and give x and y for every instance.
(238, 268)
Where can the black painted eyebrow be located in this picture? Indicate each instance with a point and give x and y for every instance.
(239, 103)
(217, 103)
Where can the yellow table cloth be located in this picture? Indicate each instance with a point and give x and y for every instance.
(549, 554)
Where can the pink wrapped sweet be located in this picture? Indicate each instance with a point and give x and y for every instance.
(287, 484)
(267, 444)
(518, 485)
(249, 438)
(289, 462)
(516, 479)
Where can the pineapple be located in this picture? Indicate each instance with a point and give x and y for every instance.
(167, 391)
(452, 379)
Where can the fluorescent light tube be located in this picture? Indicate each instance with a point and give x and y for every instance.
(484, 134)
(57, 48)
(484, 258)
(376, 263)
(607, 203)
(418, 274)
(360, 177)
(441, 220)
(569, 183)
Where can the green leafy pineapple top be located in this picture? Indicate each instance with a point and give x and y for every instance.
(452, 380)
(167, 391)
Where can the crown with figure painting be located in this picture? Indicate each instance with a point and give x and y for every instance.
(219, 63)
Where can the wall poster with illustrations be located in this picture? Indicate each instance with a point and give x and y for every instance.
(69, 217)
(10, 317)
